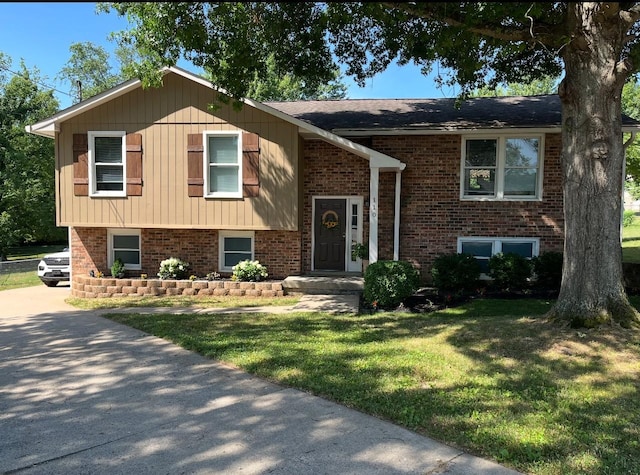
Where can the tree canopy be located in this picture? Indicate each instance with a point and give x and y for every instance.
(282, 86)
(27, 203)
(89, 69)
(595, 45)
(546, 85)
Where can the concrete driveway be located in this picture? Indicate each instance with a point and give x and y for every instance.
(82, 394)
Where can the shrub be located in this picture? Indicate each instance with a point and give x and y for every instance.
(509, 271)
(388, 283)
(628, 217)
(548, 270)
(117, 268)
(360, 251)
(249, 271)
(173, 268)
(457, 272)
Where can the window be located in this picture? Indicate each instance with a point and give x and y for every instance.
(502, 168)
(223, 164)
(107, 163)
(483, 248)
(235, 246)
(125, 244)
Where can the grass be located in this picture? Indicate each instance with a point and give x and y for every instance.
(181, 301)
(490, 377)
(18, 280)
(631, 242)
(33, 252)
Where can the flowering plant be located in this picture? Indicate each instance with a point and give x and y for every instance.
(173, 268)
(250, 271)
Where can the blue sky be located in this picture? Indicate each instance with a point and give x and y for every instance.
(40, 34)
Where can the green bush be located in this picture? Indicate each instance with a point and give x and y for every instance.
(249, 271)
(117, 269)
(455, 272)
(388, 283)
(360, 251)
(548, 270)
(628, 217)
(173, 268)
(509, 271)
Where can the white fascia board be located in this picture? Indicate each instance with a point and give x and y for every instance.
(49, 127)
(442, 131)
(459, 131)
(46, 129)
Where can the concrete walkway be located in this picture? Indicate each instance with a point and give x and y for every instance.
(82, 394)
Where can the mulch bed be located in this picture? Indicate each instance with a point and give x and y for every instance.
(429, 299)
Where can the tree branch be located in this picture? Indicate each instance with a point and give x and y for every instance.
(631, 15)
(526, 34)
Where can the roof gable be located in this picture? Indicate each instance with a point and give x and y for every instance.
(49, 127)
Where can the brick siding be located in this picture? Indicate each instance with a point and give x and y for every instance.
(279, 251)
(330, 171)
(88, 250)
(432, 214)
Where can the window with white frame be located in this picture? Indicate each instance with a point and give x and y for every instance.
(235, 246)
(483, 248)
(107, 163)
(126, 245)
(223, 164)
(508, 167)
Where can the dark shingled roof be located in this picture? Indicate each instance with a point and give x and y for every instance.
(434, 114)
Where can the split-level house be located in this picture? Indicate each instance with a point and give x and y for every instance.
(147, 174)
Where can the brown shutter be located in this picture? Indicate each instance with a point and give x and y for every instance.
(134, 164)
(250, 165)
(80, 165)
(195, 154)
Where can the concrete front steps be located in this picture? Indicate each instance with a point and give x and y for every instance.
(339, 284)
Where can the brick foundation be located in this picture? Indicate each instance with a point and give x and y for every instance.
(279, 251)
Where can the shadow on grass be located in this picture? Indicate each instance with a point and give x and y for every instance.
(482, 376)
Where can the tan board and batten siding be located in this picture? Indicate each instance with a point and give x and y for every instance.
(165, 117)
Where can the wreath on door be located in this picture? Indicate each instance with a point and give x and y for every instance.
(330, 219)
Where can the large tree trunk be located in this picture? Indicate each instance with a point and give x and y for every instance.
(592, 291)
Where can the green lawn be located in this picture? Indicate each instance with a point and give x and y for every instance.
(26, 279)
(32, 252)
(181, 301)
(491, 377)
(19, 280)
(631, 243)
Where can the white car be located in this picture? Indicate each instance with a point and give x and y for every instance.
(54, 268)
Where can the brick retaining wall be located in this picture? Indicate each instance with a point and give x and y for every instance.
(106, 287)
